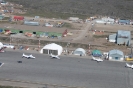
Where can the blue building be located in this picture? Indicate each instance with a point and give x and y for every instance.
(116, 55)
(123, 37)
(124, 22)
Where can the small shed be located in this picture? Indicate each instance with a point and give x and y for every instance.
(123, 37)
(52, 48)
(96, 53)
(112, 38)
(116, 55)
(80, 51)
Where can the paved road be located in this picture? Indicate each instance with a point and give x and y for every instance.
(69, 71)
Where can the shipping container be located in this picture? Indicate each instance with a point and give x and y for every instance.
(18, 18)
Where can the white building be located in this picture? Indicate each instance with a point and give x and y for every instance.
(52, 48)
(80, 51)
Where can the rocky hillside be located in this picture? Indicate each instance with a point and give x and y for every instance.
(115, 8)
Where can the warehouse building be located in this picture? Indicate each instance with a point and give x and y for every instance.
(116, 55)
(123, 37)
(124, 22)
(52, 48)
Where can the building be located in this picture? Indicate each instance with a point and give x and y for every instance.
(52, 48)
(80, 51)
(73, 18)
(123, 37)
(100, 21)
(124, 22)
(96, 53)
(17, 18)
(112, 38)
(1, 17)
(116, 55)
(32, 23)
(108, 20)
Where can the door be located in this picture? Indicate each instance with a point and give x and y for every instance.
(45, 51)
(116, 58)
(54, 52)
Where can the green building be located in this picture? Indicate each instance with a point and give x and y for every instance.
(1, 17)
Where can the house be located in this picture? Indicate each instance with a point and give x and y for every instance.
(123, 37)
(116, 55)
(52, 48)
(80, 51)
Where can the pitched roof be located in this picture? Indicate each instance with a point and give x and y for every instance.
(123, 33)
(115, 51)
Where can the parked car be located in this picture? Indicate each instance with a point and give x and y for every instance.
(129, 58)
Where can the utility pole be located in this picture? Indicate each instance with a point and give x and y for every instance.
(131, 51)
(38, 44)
(10, 40)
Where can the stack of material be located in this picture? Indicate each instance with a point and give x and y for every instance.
(7, 32)
(28, 34)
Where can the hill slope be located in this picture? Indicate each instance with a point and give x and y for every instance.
(116, 8)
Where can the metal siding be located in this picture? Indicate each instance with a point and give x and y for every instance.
(115, 51)
(113, 37)
(123, 34)
(122, 41)
(116, 56)
(124, 21)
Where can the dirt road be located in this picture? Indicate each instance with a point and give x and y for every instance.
(83, 32)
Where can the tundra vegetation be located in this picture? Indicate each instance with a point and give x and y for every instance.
(80, 8)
